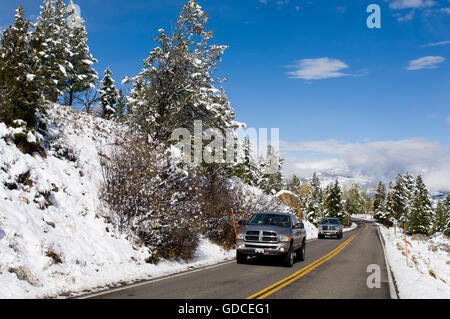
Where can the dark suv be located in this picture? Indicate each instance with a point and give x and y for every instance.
(271, 234)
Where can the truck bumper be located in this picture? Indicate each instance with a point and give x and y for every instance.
(249, 248)
(329, 233)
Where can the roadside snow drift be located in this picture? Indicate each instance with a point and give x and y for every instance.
(427, 274)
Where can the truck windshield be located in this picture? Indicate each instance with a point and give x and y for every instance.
(270, 220)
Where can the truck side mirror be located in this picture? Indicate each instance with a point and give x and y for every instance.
(300, 225)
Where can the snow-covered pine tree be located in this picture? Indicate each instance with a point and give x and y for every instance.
(399, 201)
(176, 86)
(447, 208)
(420, 218)
(81, 76)
(384, 213)
(20, 95)
(50, 41)
(409, 189)
(333, 203)
(271, 181)
(246, 166)
(121, 107)
(313, 210)
(380, 196)
(442, 215)
(354, 202)
(108, 96)
(294, 184)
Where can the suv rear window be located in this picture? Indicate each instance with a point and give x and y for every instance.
(270, 220)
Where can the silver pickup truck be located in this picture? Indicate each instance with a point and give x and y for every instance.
(330, 227)
(271, 234)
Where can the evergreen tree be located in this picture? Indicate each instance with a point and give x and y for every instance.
(421, 216)
(121, 107)
(81, 76)
(175, 87)
(50, 41)
(400, 199)
(271, 180)
(442, 215)
(354, 202)
(380, 196)
(384, 212)
(313, 205)
(333, 202)
(108, 96)
(20, 96)
(294, 185)
(247, 167)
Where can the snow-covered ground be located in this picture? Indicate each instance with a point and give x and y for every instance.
(353, 226)
(53, 241)
(427, 274)
(364, 216)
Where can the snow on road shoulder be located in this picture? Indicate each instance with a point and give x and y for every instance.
(364, 216)
(352, 227)
(427, 275)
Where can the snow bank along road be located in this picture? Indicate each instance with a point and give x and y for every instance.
(332, 269)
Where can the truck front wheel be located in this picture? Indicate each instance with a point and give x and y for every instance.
(301, 252)
(241, 258)
(288, 260)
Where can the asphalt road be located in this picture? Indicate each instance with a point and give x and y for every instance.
(332, 269)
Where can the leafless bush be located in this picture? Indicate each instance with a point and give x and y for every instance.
(149, 196)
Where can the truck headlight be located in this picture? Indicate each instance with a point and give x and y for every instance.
(284, 238)
(241, 236)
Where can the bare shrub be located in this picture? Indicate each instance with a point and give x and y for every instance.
(151, 197)
(220, 197)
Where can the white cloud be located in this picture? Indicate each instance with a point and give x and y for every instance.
(317, 69)
(426, 62)
(411, 4)
(445, 10)
(434, 44)
(447, 120)
(368, 163)
(406, 17)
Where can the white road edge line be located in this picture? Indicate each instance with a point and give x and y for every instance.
(392, 290)
(148, 282)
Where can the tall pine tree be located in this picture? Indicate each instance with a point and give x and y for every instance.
(50, 41)
(20, 96)
(333, 202)
(176, 86)
(420, 218)
(442, 215)
(108, 96)
(313, 210)
(81, 76)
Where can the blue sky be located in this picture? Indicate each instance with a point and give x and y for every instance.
(314, 70)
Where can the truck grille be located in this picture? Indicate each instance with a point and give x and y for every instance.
(261, 236)
(324, 227)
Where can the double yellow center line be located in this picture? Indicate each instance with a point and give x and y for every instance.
(302, 272)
